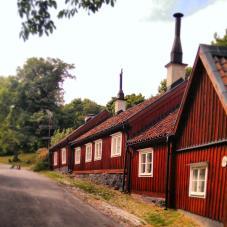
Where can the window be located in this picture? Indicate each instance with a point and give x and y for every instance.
(77, 155)
(146, 162)
(55, 158)
(198, 179)
(98, 150)
(116, 143)
(63, 156)
(88, 155)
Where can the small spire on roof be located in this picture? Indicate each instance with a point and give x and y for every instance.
(120, 94)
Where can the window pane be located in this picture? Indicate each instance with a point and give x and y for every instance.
(201, 186)
(149, 168)
(118, 145)
(142, 168)
(143, 158)
(114, 145)
(194, 186)
(202, 174)
(195, 174)
(149, 157)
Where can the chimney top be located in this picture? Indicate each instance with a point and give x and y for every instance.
(120, 94)
(176, 53)
(178, 14)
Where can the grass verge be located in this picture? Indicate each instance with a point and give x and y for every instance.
(151, 214)
(26, 160)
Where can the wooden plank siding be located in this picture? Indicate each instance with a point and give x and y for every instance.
(107, 162)
(153, 186)
(213, 205)
(205, 120)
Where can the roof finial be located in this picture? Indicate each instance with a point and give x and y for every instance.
(176, 53)
(120, 94)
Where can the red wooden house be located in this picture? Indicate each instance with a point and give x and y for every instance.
(199, 156)
(60, 153)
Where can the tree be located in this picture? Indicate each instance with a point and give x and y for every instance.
(38, 19)
(59, 135)
(72, 115)
(220, 41)
(162, 88)
(25, 101)
(188, 71)
(131, 100)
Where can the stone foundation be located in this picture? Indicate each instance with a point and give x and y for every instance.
(63, 169)
(111, 179)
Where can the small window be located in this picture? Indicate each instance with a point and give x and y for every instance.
(55, 158)
(198, 179)
(116, 144)
(146, 162)
(88, 155)
(77, 155)
(63, 156)
(98, 150)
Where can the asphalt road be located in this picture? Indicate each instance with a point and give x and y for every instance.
(28, 199)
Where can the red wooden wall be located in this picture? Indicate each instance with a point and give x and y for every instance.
(153, 186)
(204, 120)
(106, 163)
(213, 205)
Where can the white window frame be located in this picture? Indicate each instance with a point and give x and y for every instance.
(87, 146)
(146, 151)
(199, 166)
(98, 152)
(114, 138)
(77, 154)
(55, 158)
(63, 156)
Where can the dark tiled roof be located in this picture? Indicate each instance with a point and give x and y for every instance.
(116, 120)
(214, 59)
(161, 129)
(221, 64)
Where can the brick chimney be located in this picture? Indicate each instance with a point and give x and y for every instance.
(175, 68)
(120, 103)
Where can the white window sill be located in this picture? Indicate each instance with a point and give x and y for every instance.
(197, 196)
(145, 175)
(86, 161)
(97, 159)
(78, 163)
(115, 155)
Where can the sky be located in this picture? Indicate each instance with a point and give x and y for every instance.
(135, 35)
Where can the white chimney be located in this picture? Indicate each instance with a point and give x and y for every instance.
(120, 103)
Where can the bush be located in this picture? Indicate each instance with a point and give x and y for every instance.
(42, 153)
(41, 165)
(42, 162)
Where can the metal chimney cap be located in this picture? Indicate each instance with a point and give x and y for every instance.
(178, 14)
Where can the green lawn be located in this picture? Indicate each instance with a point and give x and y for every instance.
(151, 214)
(26, 160)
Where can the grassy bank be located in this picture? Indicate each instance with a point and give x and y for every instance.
(26, 160)
(151, 214)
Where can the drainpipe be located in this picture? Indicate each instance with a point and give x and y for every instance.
(167, 173)
(125, 159)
